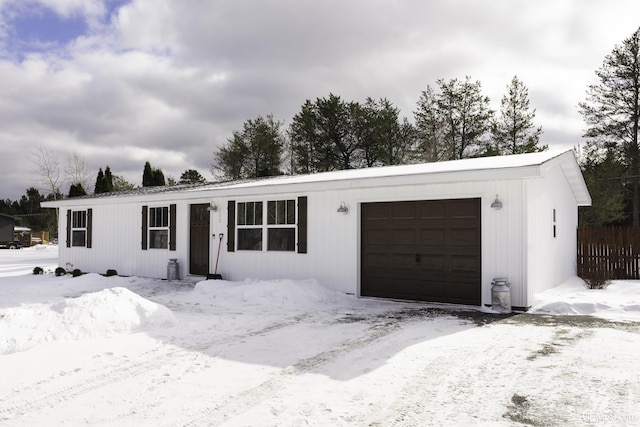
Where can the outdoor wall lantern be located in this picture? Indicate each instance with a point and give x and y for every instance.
(212, 207)
(343, 209)
(497, 204)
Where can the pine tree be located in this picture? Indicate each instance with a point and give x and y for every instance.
(152, 177)
(158, 178)
(466, 115)
(147, 175)
(514, 132)
(612, 112)
(100, 186)
(121, 184)
(430, 129)
(254, 152)
(191, 176)
(77, 190)
(108, 180)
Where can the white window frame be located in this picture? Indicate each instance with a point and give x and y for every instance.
(158, 234)
(79, 228)
(248, 222)
(285, 215)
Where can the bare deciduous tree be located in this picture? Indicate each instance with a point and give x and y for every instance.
(76, 170)
(47, 168)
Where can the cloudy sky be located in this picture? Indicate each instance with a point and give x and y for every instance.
(121, 82)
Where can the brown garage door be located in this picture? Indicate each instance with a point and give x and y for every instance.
(425, 250)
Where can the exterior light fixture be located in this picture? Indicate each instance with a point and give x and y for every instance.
(343, 209)
(212, 207)
(497, 204)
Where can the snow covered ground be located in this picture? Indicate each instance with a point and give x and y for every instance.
(120, 351)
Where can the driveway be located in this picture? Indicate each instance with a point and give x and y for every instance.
(291, 354)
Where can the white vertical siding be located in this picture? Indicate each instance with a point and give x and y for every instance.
(551, 260)
(117, 239)
(517, 241)
(333, 256)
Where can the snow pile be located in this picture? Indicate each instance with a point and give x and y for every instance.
(289, 294)
(619, 301)
(99, 314)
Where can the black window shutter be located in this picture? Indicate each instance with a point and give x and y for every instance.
(231, 226)
(145, 218)
(172, 227)
(302, 224)
(68, 228)
(89, 226)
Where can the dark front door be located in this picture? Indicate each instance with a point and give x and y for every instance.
(199, 240)
(425, 250)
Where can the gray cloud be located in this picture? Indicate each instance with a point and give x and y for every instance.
(169, 81)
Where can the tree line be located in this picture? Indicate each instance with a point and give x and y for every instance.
(52, 174)
(610, 159)
(452, 121)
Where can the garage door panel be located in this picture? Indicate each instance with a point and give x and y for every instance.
(403, 211)
(468, 236)
(378, 236)
(432, 210)
(404, 260)
(459, 292)
(433, 263)
(376, 212)
(425, 250)
(431, 236)
(403, 236)
(374, 259)
(464, 209)
(461, 263)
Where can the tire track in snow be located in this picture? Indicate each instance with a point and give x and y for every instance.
(447, 387)
(20, 403)
(239, 403)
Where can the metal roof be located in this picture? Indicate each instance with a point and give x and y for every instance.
(481, 168)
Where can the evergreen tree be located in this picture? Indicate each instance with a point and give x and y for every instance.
(100, 186)
(604, 176)
(77, 190)
(158, 178)
(254, 152)
(152, 177)
(147, 175)
(430, 129)
(324, 135)
(382, 138)
(121, 184)
(306, 146)
(108, 180)
(466, 115)
(612, 112)
(191, 176)
(514, 132)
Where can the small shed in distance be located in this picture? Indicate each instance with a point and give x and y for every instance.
(7, 223)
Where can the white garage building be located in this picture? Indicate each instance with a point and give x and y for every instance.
(432, 232)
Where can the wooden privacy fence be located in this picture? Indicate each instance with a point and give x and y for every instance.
(611, 252)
